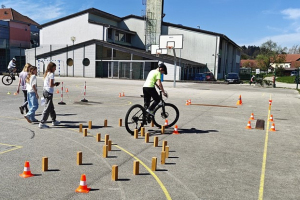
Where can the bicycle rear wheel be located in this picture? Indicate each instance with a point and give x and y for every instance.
(171, 114)
(7, 80)
(134, 118)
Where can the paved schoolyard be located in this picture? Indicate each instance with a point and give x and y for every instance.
(214, 157)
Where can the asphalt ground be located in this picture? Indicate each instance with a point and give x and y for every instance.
(213, 157)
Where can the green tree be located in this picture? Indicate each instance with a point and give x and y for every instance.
(269, 54)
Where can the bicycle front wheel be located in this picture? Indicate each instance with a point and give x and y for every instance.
(134, 118)
(7, 80)
(171, 113)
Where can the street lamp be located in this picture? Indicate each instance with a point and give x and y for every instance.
(73, 40)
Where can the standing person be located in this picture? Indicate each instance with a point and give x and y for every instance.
(32, 95)
(153, 79)
(48, 95)
(22, 83)
(12, 66)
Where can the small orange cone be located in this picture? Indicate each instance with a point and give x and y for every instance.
(67, 90)
(187, 103)
(57, 91)
(120, 95)
(26, 173)
(166, 122)
(15, 93)
(239, 102)
(82, 186)
(271, 118)
(251, 117)
(123, 94)
(272, 127)
(175, 132)
(248, 125)
(190, 102)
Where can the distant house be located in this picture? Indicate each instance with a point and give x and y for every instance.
(292, 62)
(248, 64)
(17, 33)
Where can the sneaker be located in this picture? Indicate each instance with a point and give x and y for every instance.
(21, 110)
(41, 126)
(55, 123)
(150, 112)
(27, 118)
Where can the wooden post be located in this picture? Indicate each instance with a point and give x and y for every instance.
(155, 141)
(98, 137)
(136, 167)
(109, 145)
(90, 124)
(154, 164)
(164, 144)
(152, 123)
(163, 158)
(143, 131)
(84, 132)
(79, 158)
(167, 151)
(105, 147)
(120, 122)
(114, 174)
(147, 138)
(80, 128)
(45, 164)
(136, 133)
(162, 129)
(106, 139)
(105, 123)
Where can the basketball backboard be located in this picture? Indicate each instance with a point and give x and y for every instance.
(156, 50)
(171, 41)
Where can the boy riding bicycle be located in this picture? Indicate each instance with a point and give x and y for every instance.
(153, 79)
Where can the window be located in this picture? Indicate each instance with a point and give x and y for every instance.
(109, 33)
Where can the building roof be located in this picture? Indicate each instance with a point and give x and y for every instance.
(292, 57)
(135, 51)
(248, 63)
(90, 10)
(10, 14)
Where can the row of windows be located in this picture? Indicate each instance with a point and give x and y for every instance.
(119, 36)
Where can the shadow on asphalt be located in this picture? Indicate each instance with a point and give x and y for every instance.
(194, 130)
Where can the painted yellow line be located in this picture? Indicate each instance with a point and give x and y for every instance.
(15, 148)
(263, 168)
(150, 171)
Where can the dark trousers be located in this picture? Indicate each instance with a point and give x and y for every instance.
(25, 100)
(49, 107)
(148, 93)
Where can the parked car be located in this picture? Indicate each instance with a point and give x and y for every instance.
(209, 76)
(232, 78)
(294, 73)
(199, 77)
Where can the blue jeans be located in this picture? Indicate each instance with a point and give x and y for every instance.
(33, 104)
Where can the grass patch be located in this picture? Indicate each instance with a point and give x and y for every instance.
(286, 79)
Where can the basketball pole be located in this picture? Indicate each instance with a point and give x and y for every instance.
(175, 66)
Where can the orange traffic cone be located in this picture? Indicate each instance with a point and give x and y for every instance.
(123, 94)
(26, 173)
(67, 90)
(175, 132)
(57, 91)
(15, 93)
(248, 125)
(82, 186)
(166, 122)
(251, 117)
(272, 127)
(271, 118)
(239, 102)
(190, 102)
(187, 103)
(120, 95)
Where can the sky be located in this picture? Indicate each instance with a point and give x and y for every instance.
(246, 22)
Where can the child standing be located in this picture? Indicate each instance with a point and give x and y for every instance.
(22, 83)
(32, 95)
(48, 95)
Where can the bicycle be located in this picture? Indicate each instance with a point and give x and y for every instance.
(137, 116)
(9, 77)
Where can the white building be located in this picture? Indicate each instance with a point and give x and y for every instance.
(115, 47)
